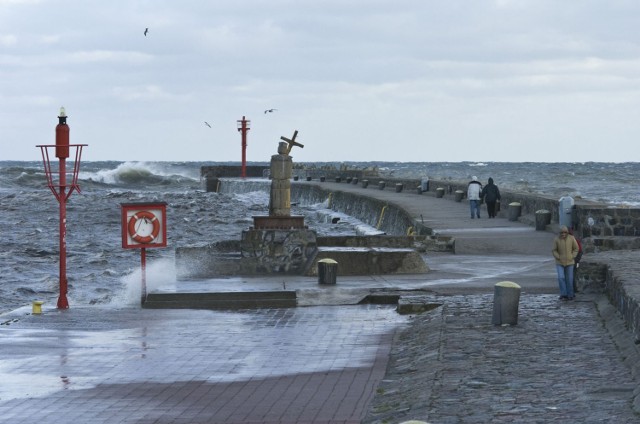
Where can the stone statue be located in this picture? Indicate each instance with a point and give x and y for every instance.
(281, 170)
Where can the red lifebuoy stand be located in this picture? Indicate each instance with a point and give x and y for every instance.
(144, 225)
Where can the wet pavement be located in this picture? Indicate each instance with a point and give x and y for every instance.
(104, 365)
(333, 360)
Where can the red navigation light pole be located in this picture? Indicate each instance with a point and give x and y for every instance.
(60, 192)
(243, 126)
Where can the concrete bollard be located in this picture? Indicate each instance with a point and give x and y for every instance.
(349, 180)
(381, 185)
(338, 179)
(506, 299)
(424, 184)
(459, 195)
(354, 181)
(365, 183)
(419, 190)
(322, 178)
(327, 271)
(439, 192)
(295, 178)
(308, 178)
(515, 209)
(399, 187)
(543, 218)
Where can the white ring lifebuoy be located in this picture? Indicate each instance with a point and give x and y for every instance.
(133, 230)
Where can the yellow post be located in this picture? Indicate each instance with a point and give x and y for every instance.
(37, 307)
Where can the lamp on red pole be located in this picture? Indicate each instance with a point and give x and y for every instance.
(62, 190)
(243, 127)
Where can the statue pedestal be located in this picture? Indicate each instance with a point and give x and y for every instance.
(278, 222)
(289, 251)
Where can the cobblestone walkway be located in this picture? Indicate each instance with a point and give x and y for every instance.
(559, 364)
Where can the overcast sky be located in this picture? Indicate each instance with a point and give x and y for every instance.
(382, 80)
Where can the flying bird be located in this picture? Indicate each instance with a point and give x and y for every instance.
(270, 110)
(207, 124)
(146, 30)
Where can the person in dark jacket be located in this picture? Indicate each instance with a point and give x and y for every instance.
(491, 196)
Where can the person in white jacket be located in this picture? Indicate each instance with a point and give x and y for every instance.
(473, 194)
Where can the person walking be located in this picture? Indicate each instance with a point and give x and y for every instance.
(473, 194)
(491, 195)
(565, 249)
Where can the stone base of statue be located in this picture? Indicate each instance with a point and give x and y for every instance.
(287, 222)
(288, 251)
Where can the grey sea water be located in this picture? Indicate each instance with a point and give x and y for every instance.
(99, 270)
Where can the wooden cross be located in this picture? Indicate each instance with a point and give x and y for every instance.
(292, 142)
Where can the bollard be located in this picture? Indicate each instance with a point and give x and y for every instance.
(322, 179)
(37, 307)
(424, 184)
(381, 185)
(308, 178)
(338, 179)
(399, 187)
(327, 271)
(295, 178)
(459, 195)
(354, 181)
(365, 183)
(514, 211)
(349, 180)
(439, 192)
(506, 298)
(419, 190)
(566, 206)
(543, 218)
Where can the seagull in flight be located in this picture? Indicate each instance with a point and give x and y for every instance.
(146, 30)
(270, 110)
(207, 124)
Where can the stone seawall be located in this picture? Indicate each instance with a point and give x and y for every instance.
(616, 275)
(381, 215)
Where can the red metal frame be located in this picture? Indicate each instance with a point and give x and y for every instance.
(61, 194)
(62, 173)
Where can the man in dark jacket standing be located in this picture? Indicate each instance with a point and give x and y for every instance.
(491, 196)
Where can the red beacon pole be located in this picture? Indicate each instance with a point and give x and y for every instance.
(243, 126)
(62, 190)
